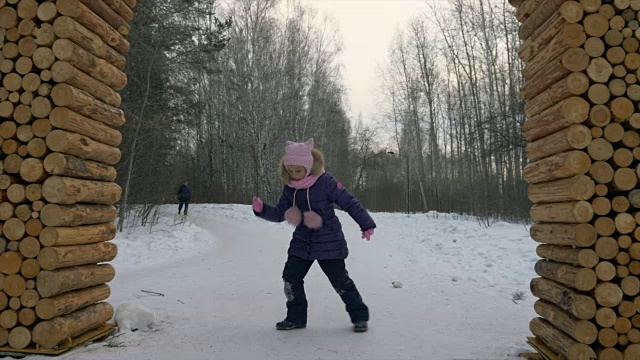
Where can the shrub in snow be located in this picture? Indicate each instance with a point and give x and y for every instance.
(134, 317)
(396, 284)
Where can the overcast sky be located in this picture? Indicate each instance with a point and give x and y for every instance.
(367, 27)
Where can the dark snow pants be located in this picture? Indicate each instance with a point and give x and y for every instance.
(186, 206)
(293, 275)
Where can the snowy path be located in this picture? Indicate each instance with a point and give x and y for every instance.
(220, 273)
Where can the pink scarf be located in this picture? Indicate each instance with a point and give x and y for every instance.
(293, 216)
(305, 183)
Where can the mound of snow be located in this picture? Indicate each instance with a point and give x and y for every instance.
(134, 317)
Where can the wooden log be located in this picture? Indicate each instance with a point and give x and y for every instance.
(67, 236)
(582, 331)
(608, 294)
(83, 60)
(16, 194)
(573, 110)
(31, 82)
(13, 229)
(27, 317)
(600, 149)
(627, 309)
(68, 120)
(622, 108)
(632, 352)
(576, 83)
(594, 47)
(55, 257)
(6, 210)
(67, 28)
(606, 247)
(120, 8)
(623, 157)
(43, 58)
(30, 269)
(599, 70)
(559, 342)
(75, 215)
(617, 87)
(33, 192)
(574, 137)
(66, 303)
(30, 298)
(608, 337)
(47, 11)
(570, 36)
(68, 165)
(79, 12)
(571, 12)
(577, 278)
(32, 170)
(581, 306)
(606, 317)
(41, 128)
(601, 205)
(51, 283)
(564, 254)
(605, 271)
(601, 172)
(37, 148)
(130, 3)
(63, 72)
(45, 35)
(613, 37)
(567, 212)
(8, 319)
(14, 285)
(29, 247)
(580, 235)
(624, 179)
(83, 147)
(624, 241)
(625, 223)
(599, 94)
(10, 263)
(620, 204)
(8, 17)
(4, 336)
(559, 166)
(605, 226)
(599, 115)
(66, 190)
(84, 104)
(48, 334)
(573, 60)
(630, 285)
(109, 15)
(579, 187)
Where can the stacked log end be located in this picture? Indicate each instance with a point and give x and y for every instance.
(582, 103)
(61, 63)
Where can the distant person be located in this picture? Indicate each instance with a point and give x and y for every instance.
(318, 233)
(184, 196)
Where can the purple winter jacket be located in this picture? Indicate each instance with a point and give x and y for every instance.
(328, 242)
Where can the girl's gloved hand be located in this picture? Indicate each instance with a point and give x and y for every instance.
(367, 234)
(258, 204)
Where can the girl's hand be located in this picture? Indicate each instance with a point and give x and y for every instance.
(367, 234)
(258, 204)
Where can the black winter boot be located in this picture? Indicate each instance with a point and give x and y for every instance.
(360, 326)
(288, 325)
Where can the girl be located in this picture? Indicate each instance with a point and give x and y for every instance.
(307, 203)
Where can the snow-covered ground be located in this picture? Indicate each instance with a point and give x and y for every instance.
(219, 273)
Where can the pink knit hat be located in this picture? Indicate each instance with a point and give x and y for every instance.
(299, 154)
